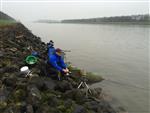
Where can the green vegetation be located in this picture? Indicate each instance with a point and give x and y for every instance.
(91, 77)
(132, 19)
(6, 22)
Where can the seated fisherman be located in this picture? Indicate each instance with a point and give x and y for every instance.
(56, 65)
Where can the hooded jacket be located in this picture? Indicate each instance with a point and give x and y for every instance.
(56, 61)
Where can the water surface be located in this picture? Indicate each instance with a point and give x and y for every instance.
(117, 52)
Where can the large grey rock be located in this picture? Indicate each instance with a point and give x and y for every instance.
(35, 92)
(105, 107)
(68, 103)
(34, 95)
(49, 84)
(1, 54)
(76, 95)
(9, 69)
(96, 92)
(79, 109)
(44, 108)
(92, 105)
(29, 109)
(10, 81)
(37, 81)
(12, 109)
(3, 97)
(53, 101)
(63, 86)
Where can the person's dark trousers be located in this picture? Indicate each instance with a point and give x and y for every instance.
(52, 72)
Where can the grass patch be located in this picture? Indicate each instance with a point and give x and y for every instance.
(91, 77)
(6, 22)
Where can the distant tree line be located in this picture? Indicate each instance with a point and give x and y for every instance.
(132, 18)
(47, 21)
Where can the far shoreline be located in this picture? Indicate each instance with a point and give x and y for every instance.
(102, 23)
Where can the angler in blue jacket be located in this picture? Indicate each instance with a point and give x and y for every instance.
(56, 63)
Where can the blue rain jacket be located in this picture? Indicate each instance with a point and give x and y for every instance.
(56, 61)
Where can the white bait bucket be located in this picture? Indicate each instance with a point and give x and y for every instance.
(24, 70)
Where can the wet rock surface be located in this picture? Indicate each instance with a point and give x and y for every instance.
(39, 93)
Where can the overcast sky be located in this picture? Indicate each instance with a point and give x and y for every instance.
(29, 10)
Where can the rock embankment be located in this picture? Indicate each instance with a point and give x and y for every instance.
(39, 94)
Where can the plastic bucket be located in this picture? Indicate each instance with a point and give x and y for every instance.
(24, 69)
(31, 59)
